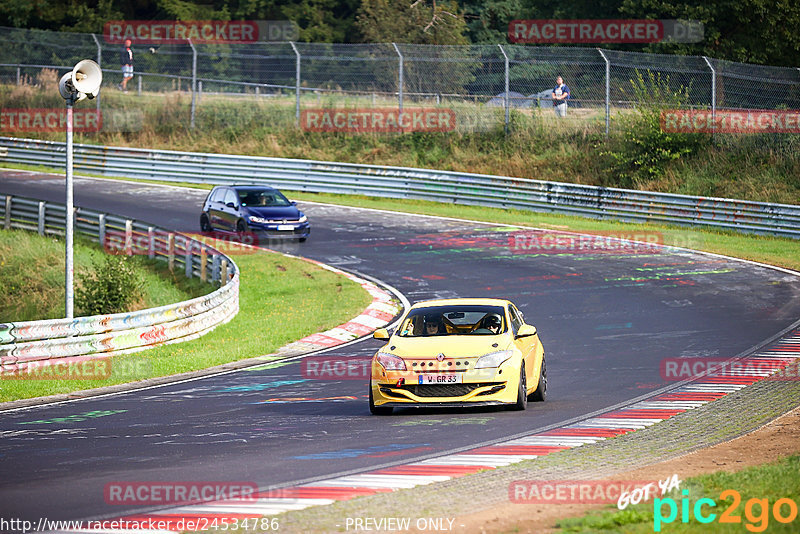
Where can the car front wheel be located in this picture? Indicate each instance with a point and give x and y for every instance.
(541, 389)
(205, 225)
(522, 394)
(378, 410)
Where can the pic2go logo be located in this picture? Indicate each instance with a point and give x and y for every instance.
(756, 511)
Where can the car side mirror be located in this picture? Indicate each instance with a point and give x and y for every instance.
(231, 205)
(380, 333)
(294, 203)
(525, 331)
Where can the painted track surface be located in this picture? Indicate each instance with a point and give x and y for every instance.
(607, 321)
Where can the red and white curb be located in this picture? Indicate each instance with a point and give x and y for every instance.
(758, 366)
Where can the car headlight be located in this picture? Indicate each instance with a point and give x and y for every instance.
(390, 362)
(302, 219)
(258, 220)
(493, 359)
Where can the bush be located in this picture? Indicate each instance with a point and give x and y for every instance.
(113, 286)
(644, 150)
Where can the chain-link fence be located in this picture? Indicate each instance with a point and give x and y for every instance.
(483, 85)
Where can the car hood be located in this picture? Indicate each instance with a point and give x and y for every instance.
(451, 346)
(284, 212)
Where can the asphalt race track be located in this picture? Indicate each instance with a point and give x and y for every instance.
(607, 320)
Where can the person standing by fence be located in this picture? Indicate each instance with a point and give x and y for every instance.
(560, 97)
(126, 59)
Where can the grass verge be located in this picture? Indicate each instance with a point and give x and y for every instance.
(758, 489)
(32, 275)
(281, 300)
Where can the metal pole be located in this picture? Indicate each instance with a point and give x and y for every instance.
(194, 81)
(69, 270)
(296, 84)
(505, 99)
(100, 63)
(608, 90)
(399, 79)
(713, 93)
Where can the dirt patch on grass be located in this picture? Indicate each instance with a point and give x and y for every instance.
(775, 440)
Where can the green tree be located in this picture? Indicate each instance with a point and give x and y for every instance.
(487, 21)
(407, 21)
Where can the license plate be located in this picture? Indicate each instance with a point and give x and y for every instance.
(440, 379)
(283, 227)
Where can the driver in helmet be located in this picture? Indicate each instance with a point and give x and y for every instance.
(493, 323)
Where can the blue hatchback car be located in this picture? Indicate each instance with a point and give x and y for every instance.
(253, 208)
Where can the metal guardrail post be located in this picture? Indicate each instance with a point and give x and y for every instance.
(129, 237)
(296, 84)
(608, 90)
(99, 62)
(713, 94)
(171, 251)
(223, 272)
(505, 99)
(399, 79)
(215, 270)
(40, 221)
(101, 229)
(187, 258)
(194, 81)
(151, 242)
(7, 221)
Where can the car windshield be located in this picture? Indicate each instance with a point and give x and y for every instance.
(454, 320)
(265, 198)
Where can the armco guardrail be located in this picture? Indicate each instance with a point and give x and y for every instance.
(25, 345)
(402, 182)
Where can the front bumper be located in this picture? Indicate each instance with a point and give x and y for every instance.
(478, 387)
(270, 231)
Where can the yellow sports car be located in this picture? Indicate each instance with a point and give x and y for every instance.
(458, 352)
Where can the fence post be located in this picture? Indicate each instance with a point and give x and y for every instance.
(203, 260)
(139, 85)
(505, 98)
(40, 225)
(194, 81)
(7, 222)
(713, 94)
(101, 229)
(99, 62)
(199, 90)
(296, 84)
(608, 89)
(19, 77)
(223, 272)
(399, 79)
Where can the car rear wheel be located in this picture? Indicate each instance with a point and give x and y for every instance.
(522, 394)
(302, 239)
(541, 389)
(378, 410)
(205, 225)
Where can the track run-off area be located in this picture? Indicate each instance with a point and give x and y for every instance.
(609, 320)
